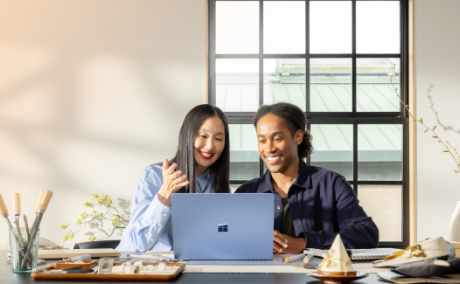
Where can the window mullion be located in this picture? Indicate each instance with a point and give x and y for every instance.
(353, 55)
(261, 66)
(261, 52)
(212, 53)
(309, 129)
(353, 90)
(307, 57)
(355, 158)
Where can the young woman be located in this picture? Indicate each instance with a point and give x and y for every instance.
(201, 165)
(312, 204)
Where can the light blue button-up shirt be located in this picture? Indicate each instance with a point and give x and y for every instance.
(150, 225)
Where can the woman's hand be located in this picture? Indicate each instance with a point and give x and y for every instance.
(285, 244)
(172, 182)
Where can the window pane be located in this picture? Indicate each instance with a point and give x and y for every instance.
(237, 84)
(284, 81)
(330, 27)
(377, 27)
(380, 152)
(244, 156)
(384, 204)
(374, 92)
(284, 27)
(333, 144)
(330, 85)
(237, 27)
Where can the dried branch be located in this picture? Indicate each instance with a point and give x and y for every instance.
(450, 150)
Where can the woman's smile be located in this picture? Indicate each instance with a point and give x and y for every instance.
(206, 155)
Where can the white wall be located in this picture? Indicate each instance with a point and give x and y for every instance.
(437, 73)
(91, 92)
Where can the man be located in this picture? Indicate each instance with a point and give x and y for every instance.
(312, 204)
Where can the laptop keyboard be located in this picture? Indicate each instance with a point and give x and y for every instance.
(278, 259)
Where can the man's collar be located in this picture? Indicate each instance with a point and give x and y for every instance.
(303, 176)
(266, 185)
(303, 179)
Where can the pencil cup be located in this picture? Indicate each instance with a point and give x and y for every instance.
(20, 262)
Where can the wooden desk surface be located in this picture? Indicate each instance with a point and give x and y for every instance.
(8, 277)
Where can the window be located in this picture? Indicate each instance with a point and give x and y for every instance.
(333, 59)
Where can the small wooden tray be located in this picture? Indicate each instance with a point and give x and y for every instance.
(39, 275)
(87, 264)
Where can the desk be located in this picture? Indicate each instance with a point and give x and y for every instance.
(8, 277)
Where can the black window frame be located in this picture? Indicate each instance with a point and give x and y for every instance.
(355, 118)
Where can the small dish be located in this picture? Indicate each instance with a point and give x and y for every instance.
(338, 279)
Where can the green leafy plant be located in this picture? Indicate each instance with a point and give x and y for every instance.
(117, 215)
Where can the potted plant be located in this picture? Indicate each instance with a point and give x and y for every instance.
(100, 224)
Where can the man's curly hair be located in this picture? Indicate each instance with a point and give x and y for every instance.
(294, 118)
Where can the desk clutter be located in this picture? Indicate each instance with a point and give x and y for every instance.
(108, 269)
(432, 260)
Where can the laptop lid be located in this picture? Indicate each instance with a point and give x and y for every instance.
(222, 226)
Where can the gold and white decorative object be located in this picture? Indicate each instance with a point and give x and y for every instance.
(337, 262)
(430, 248)
(336, 266)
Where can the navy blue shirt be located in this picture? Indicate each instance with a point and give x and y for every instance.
(322, 204)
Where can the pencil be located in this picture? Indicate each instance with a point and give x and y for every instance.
(293, 258)
(308, 258)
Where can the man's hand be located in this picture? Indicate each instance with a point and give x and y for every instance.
(284, 244)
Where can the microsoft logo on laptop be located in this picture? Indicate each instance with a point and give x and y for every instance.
(222, 228)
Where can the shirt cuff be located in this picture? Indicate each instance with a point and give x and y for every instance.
(157, 214)
(312, 240)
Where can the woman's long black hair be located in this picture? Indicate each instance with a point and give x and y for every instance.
(185, 155)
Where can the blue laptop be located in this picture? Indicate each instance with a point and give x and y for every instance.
(222, 226)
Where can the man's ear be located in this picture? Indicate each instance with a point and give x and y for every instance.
(299, 136)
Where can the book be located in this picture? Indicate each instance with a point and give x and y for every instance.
(66, 253)
(358, 255)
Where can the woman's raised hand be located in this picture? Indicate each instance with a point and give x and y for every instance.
(172, 182)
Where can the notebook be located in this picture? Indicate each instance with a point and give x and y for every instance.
(359, 255)
(66, 253)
